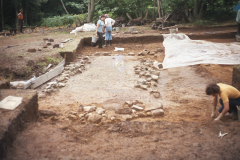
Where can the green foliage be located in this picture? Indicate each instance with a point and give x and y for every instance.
(53, 60)
(62, 20)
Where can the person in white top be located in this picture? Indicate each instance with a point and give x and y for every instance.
(238, 21)
(109, 22)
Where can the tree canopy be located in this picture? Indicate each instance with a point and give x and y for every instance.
(35, 11)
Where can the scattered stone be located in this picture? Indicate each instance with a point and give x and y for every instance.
(134, 32)
(157, 73)
(61, 84)
(144, 87)
(160, 65)
(135, 102)
(140, 54)
(113, 118)
(104, 115)
(126, 117)
(107, 53)
(47, 113)
(154, 77)
(39, 49)
(159, 106)
(72, 117)
(148, 74)
(141, 74)
(124, 111)
(141, 114)
(94, 118)
(129, 103)
(81, 115)
(54, 118)
(51, 40)
(137, 86)
(152, 53)
(159, 50)
(145, 52)
(48, 43)
(157, 112)
(131, 54)
(137, 108)
(45, 39)
(32, 50)
(45, 46)
(100, 111)
(137, 71)
(80, 108)
(114, 129)
(141, 81)
(149, 114)
(89, 108)
(97, 54)
(156, 95)
(73, 113)
(60, 79)
(56, 46)
(149, 79)
(133, 110)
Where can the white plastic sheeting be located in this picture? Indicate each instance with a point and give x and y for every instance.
(180, 50)
(85, 28)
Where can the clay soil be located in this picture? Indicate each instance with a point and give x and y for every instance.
(186, 130)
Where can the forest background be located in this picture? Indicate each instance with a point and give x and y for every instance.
(52, 13)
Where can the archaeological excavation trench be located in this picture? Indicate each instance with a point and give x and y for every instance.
(117, 105)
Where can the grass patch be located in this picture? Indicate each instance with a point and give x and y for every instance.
(24, 36)
(53, 60)
(42, 64)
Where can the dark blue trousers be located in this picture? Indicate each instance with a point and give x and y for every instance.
(232, 105)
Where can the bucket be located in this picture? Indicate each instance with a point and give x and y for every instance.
(131, 29)
(123, 25)
(118, 29)
(238, 107)
(94, 39)
(172, 31)
(238, 38)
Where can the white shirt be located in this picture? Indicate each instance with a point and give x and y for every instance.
(238, 16)
(109, 22)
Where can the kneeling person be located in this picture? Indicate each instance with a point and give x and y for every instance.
(229, 98)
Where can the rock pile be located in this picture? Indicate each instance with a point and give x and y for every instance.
(93, 114)
(149, 73)
(69, 70)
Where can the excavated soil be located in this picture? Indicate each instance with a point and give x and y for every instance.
(186, 130)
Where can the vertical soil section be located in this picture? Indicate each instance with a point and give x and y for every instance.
(12, 121)
(236, 77)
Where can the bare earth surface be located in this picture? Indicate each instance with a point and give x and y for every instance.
(186, 130)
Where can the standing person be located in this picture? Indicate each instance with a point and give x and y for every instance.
(99, 30)
(229, 99)
(109, 22)
(238, 21)
(21, 21)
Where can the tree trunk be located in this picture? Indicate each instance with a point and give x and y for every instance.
(2, 13)
(16, 10)
(159, 6)
(26, 19)
(64, 7)
(196, 13)
(139, 8)
(91, 8)
(154, 9)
